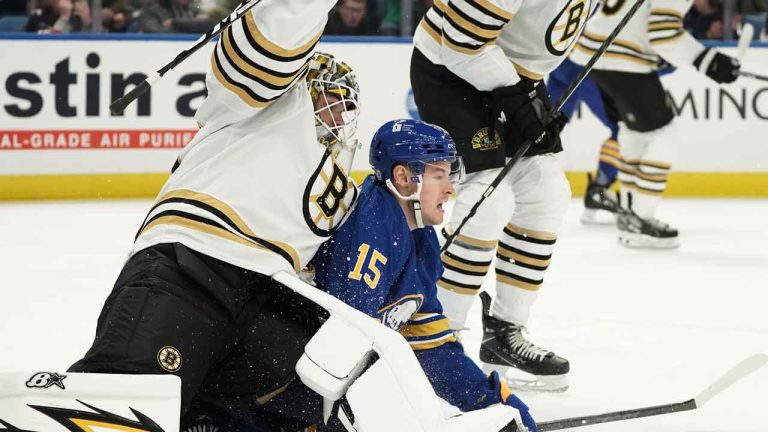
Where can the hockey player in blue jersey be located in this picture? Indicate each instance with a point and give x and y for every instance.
(385, 260)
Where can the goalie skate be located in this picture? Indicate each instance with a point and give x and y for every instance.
(505, 347)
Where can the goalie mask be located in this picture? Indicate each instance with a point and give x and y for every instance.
(334, 91)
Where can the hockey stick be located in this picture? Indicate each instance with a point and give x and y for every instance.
(753, 76)
(559, 104)
(119, 105)
(736, 373)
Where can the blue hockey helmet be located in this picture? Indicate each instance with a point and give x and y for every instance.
(413, 143)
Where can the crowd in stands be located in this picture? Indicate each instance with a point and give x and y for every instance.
(348, 18)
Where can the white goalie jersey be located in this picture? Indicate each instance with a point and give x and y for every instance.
(655, 30)
(489, 43)
(255, 188)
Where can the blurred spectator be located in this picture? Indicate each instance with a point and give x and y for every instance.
(174, 16)
(117, 15)
(350, 18)
(705, 20)
(61, 16)
(13, 7)
(390, 24)
(754, 12)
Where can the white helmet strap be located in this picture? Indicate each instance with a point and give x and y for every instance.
(414, 198)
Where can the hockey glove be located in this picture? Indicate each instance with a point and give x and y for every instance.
(513, 401)
(521, 113)
(718, 66)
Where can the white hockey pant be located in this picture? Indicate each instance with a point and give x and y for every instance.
(517, 225)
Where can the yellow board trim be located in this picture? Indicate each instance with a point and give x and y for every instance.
(147, 185)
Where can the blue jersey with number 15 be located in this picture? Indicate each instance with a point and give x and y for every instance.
(381, 267)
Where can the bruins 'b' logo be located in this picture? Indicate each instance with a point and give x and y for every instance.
(482, 140)
(566, 27)
(169, 358)
(328, 196)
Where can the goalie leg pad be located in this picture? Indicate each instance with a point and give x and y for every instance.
(47, 401)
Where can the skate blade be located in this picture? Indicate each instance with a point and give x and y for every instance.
(642, 241)
(523, 381)
(598, 217)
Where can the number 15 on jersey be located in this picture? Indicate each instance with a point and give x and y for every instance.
(372, 273)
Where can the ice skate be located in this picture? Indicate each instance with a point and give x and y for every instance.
(600, 204)
(504, 346)
(638, 232)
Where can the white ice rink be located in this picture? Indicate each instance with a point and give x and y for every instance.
(639, 327)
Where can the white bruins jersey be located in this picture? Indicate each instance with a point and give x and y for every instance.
(489, 43)
(655, 30)
(254, 188)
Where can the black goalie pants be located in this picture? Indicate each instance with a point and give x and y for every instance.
(233, 336)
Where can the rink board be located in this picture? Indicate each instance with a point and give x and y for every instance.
(58, 139)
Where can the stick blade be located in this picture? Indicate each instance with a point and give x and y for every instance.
(734, 374)
(745, 38)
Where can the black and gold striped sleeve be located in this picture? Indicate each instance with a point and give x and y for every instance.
(666, 33)
(264, 53)
(665, 25)
(467, 26)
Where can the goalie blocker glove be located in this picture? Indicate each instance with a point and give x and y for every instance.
(718, 66)
(523, 112)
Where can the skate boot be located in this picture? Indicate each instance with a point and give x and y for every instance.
(600, 204)
(504, 346)
(638, 232)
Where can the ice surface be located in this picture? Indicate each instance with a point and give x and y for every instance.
(639, 327)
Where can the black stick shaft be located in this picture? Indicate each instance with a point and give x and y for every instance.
(617, 416)
(595, 57)
(119, 105)
(753, 76)
(559, 104)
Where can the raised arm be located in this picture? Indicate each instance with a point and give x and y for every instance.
(260, 57)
